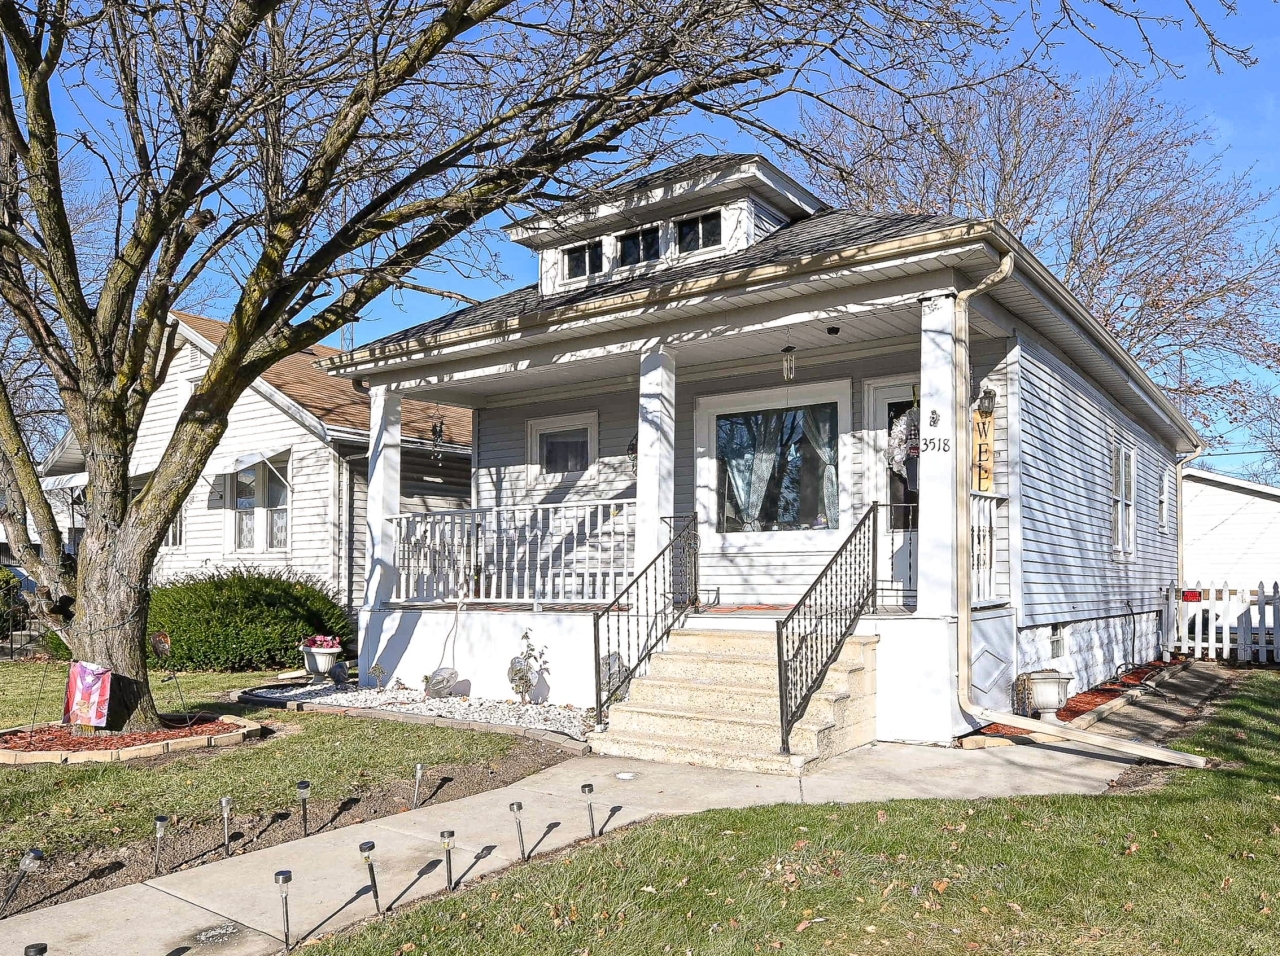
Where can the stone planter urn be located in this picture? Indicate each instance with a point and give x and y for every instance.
(1048, 690)
(318, 661)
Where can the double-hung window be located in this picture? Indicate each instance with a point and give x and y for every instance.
(1124, 485)
(176, 535)
(639, 246)
(698, 232)
(1164, 507)
(262, 508)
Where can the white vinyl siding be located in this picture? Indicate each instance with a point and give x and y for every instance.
(1070, 566)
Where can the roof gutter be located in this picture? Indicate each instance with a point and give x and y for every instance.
(964, 611)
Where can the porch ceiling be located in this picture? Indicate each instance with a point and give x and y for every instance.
(706, 353)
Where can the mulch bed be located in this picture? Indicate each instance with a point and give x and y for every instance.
(68, 738)
(1088, 700)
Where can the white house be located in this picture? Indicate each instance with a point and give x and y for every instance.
(723, 448)
(287, 485)
(1230, 530)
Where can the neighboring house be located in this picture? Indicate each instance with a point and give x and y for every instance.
(287, 485)
(710, 351)
(1230, 531)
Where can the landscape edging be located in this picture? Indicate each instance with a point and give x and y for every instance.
(248, 729)
(576, 747)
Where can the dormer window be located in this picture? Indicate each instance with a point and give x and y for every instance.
(584, 260)
(700, 232)
(639, 246)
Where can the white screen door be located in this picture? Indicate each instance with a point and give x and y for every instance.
(898, 520)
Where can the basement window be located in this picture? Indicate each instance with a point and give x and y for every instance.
(584, 260)
(700, 232)
(1057, 642)
(639, 246)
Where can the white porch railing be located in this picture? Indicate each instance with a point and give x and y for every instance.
(982, 547)
(571, 551)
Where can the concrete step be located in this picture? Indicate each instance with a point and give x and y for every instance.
(739, 731)
(674, 749)
(830, 704)
(715, 669)
(753, 644)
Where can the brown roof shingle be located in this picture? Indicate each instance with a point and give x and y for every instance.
(333, 400)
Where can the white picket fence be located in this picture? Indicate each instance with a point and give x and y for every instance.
(1220, 621)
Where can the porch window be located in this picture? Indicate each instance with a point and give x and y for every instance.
(777, 469)
(639, 246)
(584, 260)
(562, 446)
(1124, 478)
(699, 232)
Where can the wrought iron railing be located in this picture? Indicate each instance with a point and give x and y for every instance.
(638, 620)
(897, 555)
(811, 635)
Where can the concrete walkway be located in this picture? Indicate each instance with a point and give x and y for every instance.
(232, 907)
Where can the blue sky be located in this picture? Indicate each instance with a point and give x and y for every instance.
(1241, 106)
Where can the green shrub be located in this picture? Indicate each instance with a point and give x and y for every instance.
(54, 646)
(234, 619)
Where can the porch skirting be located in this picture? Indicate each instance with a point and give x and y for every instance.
(409, 643)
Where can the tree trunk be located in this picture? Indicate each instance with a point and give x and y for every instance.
(110, 628)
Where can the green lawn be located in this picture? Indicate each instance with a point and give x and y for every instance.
(1190, 868)
(65, 809)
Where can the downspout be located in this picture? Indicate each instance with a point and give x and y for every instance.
(964, 596)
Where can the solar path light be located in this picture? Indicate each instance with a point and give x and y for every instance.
(446, 841)
(162, 824)
(304, 794)
(283, 879)
(225, 803)
(515, 812)
(587, 790)
(417, 784)
(366, 852)
(29, 863)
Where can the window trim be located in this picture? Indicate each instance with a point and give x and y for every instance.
(585, 246)
(1164, 504)
(535, 428)
(702, 246)
(261, 513)
(1124, 524)
(839, 391)
(657, 227)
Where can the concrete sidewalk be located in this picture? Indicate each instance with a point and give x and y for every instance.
(232, 907)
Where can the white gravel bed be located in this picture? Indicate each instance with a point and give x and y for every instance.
(570, 721)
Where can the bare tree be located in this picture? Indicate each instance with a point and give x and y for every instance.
(1123, 194)
(320, 154)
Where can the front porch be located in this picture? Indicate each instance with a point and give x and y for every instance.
(778, 436)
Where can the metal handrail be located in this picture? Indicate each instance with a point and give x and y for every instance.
(640, 617)
(813, 633)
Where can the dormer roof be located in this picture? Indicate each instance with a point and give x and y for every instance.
(697, 182)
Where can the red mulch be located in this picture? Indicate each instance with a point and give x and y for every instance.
(62, 737)
(1087, 700)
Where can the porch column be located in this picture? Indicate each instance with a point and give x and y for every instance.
(655, 454)
(936, 576)
(384, 496)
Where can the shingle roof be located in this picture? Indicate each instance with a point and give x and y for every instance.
(823, 232)
(333, 400)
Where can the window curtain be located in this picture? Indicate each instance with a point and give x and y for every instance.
(820, 430)
(749, 472)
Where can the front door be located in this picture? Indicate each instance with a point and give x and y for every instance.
(893, 482)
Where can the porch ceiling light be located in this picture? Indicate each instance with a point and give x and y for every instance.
(987, 402)
(788, 349)
(833, 330)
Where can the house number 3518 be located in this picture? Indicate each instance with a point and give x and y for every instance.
(935, 444)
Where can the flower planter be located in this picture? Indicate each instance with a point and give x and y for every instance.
(1048, 690)
(318, 661)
